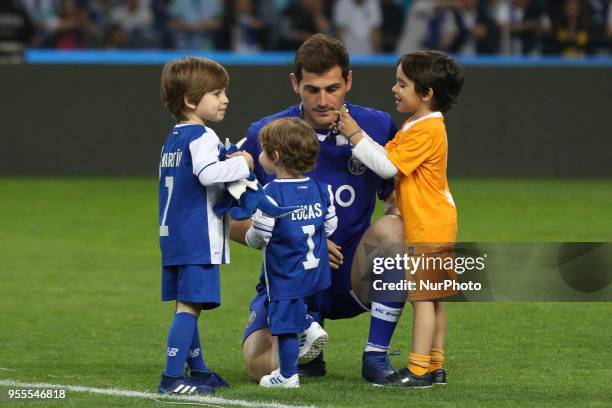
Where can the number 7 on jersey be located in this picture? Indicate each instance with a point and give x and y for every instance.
(163, 228)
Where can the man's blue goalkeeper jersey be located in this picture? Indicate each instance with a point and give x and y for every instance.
(189, 231)
(353, 184)
(296, 262)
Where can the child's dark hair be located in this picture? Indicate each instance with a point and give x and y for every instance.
(319, 54)
(435, 70)
(294, 140)
(190, 78)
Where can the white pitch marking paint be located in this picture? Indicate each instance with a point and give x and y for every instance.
(149, 395)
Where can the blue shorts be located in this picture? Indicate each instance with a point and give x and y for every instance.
(192, 283)
(337, 302)
(287, 316)
(283, 316)
(341, 303)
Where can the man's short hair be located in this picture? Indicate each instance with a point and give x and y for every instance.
(294, 140)
(435, 70)
(319, 54)
(190, 78)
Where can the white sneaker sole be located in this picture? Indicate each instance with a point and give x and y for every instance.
(280, 385)
(315, 349)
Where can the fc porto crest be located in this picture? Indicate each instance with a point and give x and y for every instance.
(252, 318)
(355, 166)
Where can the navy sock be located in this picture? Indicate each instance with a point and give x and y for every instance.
(180, 337)
(167, 381)
(313, 316)
(385, 316)
(288, 349)
(195, 361)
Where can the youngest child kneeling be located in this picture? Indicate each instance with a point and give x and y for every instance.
(296, 263)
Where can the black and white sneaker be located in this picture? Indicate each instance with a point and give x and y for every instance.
(209, 378)
(438, 377)
(376, 367)
(405, 378)
(182, 386)
(315, 368)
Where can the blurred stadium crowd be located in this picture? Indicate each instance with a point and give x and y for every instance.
(461, 27)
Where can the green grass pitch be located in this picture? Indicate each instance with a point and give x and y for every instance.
(80, 303)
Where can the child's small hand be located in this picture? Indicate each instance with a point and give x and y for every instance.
(247, 157)
(336, 259)
(348, 126)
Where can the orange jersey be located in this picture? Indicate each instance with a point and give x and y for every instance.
(420, 151)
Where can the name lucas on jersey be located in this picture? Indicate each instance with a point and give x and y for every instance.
(308, 211)
(171, 159)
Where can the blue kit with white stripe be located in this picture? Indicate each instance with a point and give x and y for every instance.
(352, 182)
(190, 233)
(192, 238)
(354, 188)
(296, 262)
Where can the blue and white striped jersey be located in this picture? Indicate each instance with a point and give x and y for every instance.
(191, 182)
(353, 184)
(296, 262)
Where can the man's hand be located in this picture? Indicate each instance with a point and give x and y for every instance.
(335, 256)
(238, 230)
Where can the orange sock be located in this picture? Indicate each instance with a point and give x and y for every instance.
(418, 363)
(437, 359)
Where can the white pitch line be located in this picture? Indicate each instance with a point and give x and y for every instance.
(149, 395)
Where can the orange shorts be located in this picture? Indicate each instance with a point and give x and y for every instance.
(432, 271)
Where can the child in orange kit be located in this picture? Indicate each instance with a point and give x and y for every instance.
(427, 84)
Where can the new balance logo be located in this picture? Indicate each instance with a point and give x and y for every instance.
(171, 351)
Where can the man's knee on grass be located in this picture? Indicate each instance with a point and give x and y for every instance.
(260, 353)
(386, 229)
(384, 238)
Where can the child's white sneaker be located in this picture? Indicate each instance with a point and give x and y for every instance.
(276, 380)
(312, 341)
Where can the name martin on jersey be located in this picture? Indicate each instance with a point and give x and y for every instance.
(171, 159)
